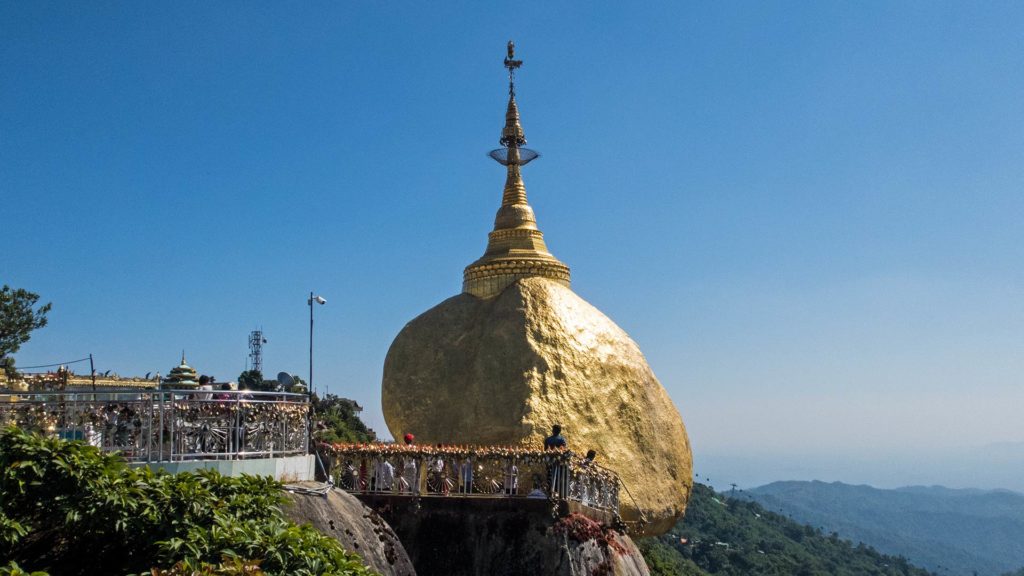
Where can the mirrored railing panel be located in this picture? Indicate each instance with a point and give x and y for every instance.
(168, 425)
(473, 472)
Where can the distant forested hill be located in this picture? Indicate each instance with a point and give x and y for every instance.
(955, 532)
(735, 537)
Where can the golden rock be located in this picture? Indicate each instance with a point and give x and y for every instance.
(518, 351)
(503, 370)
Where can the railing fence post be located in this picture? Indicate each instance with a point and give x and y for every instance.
(238, 422)
(148, 398)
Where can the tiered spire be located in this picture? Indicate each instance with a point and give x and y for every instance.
(515, 248)
(182, 376)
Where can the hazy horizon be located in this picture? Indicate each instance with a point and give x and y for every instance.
(807, 216)
(990, 467)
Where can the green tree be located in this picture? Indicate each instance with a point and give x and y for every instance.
(17, 321)
(250, 380)
(253, 380)
(337, 420)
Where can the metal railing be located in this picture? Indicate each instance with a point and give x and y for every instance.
(479, 472)
(168, 425)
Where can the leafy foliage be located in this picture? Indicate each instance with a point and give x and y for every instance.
(338, 420)
(17, 321)
(730, 537)
(253, 380)
(12, 569)
(226, 568)
(62, 502)
(663, 560)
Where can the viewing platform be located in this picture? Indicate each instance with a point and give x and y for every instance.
(466, 510)
(234, 432)
(558, 481)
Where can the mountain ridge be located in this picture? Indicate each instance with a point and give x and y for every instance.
(949, 530)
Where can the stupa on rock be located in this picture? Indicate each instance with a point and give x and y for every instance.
(518, 351)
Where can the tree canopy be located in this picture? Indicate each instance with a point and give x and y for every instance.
(337, 420)
(253, 380)
(18, 319)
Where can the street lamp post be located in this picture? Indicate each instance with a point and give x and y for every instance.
(319, 300)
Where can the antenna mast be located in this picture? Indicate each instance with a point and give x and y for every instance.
(256, 343)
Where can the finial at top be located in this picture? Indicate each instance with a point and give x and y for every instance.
(511, 63)
(512, 137)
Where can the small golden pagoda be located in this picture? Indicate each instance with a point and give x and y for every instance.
(518, 351)
(182, 376)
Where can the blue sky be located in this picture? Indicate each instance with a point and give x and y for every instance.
(807, 214)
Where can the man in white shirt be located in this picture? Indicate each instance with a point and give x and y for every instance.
(383, 476)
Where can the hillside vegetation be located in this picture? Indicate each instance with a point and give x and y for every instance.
(954, 532)
(733, 537)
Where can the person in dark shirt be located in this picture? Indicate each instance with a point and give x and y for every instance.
(556, 440)
(556, 472)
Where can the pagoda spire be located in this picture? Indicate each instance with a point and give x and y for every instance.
(513, 138)
(515, 248)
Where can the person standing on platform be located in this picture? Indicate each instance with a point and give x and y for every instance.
(511, 484)
(383, 476)
(466, 476)
(556, 472)
(410, 469)
(556, 440)
(205, 388)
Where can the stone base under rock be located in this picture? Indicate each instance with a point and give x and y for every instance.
(451, 536)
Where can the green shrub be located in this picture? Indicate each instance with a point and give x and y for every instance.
(70, 509)
(12, 569)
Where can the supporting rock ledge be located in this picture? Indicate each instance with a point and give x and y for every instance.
(358, 528)
(504, 537)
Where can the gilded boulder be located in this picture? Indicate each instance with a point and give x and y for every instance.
(503, 370)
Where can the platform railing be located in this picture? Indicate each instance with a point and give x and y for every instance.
(473, 472)
(168, 425)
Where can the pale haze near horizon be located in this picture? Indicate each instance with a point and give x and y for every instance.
(807, 216)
